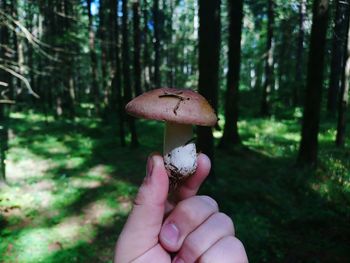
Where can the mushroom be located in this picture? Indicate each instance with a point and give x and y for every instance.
(179, 109)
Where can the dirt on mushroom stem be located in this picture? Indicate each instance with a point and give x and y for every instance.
(180, 156)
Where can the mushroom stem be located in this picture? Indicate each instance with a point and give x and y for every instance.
(179, 151)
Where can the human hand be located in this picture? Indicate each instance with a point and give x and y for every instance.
(189, 227)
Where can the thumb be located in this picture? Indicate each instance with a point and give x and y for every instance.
(142, 228)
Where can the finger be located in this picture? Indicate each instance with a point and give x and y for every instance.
(185, 217)
(141, 230)
(191, 185)
(227, 250)
(205, 236)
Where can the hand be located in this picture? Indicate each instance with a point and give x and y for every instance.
(190, 227)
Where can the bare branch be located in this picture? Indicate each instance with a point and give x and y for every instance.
(25, 81)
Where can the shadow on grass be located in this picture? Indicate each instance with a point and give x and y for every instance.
(280, 213)
(88, 171)
(278, 210)
(99, 249)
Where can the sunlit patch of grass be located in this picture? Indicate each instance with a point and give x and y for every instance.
(66, 188)
(273, 137)
(72, 186)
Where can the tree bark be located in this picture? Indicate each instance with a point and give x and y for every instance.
(156, 22)
(209, 53)
(341, 21)
(3, 141)
(299, 56)
(168, 10)
(311, 118)
(94, 73)
(126, 73)
(118, 102)
(268, 84)
(145, 53)
(344, 99)
(14, 13)
(137, 49)
(231, 136)
(104, 50)
(5, 85)
(68, 82)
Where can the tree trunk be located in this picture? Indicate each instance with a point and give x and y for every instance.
(157, 77)
(137, 49)
(344, 99)
(268, 84)
(126, 73)
(167, 33)
(68, 83)
(118, 103)
(341, 21)
(209, 52)
(231, 136)
(284, 75)
(104, 50)
(5, 84)
(299, 56)
(311, 118)
(93, 57)
(14, 13)
(3, 141)
(146, 55)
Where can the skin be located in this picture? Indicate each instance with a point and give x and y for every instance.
(187, 229)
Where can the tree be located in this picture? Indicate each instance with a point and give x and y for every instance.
(311, 117)
(231, 136)
(137, 49)
(341, 21)
(68, 94)
(116, 84)
(5, 84)
(156, 24)
(126, 73)
(299, 55)
(104, 48)
(209, 51)
(268, 84)
(145, 44)
(344, 98)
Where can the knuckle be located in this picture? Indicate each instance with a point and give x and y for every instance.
(186, 209)
(228, 249)
(210, 201)
(225, 221)
(140, 197)
(237, 243)
(191, 249)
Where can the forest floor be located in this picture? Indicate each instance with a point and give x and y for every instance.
(70, 188)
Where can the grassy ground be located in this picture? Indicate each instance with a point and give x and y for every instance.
(71, 186)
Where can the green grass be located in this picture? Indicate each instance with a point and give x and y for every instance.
(71, 187)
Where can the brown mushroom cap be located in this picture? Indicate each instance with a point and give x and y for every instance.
(173, 105)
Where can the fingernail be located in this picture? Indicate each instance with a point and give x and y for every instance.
(149, 168)
(170, 234)
(178, 260)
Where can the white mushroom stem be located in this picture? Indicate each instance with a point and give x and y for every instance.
(179, 151)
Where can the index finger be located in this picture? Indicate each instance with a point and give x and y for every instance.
(191, 186)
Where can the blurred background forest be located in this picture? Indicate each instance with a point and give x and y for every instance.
(277, 73)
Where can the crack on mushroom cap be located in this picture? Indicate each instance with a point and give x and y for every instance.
(176, 95)
(149, 106)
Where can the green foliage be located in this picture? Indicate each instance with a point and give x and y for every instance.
(71, 186)
(70, 183)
